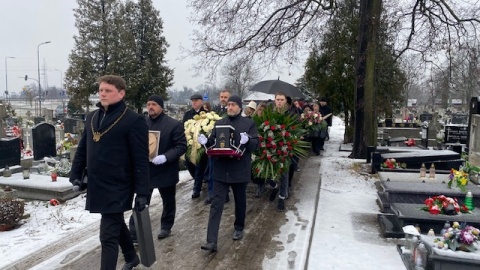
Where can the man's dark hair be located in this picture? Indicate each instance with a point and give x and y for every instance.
(118, 81)
(280, 94)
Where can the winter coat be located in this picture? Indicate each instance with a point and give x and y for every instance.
(235, 170)
(173, 145)
(117, 165)
(191, 113)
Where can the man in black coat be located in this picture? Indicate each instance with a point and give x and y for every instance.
(231, 172)
(326, 114)
(221, 108)
(197, 171)
(164, 167)
(114, 149)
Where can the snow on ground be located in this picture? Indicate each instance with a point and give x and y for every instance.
(344, 236)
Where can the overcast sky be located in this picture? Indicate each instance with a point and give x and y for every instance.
(27, 23)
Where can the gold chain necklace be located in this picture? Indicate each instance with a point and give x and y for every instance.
(97, 135)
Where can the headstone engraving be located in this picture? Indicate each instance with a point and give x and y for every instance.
(43, 137)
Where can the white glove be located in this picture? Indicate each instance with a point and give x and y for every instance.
(243, 138)
(202, 139)
(160, 159)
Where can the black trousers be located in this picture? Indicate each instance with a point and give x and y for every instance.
(168, 213)
(197, 172)
(169, 206)
(114, 232)
(220, 190)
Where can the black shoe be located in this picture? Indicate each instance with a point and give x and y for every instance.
(212, 247)
(208, 200)
(195, 195)
(132, 264)
(163, 234)
(237, 235)
(281, 205)
(273, 195)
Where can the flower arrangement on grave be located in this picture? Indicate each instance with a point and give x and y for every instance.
(458, 179)
(68, 142)
(459, 237)
(280, 138)
(391, 163)
(202, 123)
(442, 204)
(29, 123)
(63, 168)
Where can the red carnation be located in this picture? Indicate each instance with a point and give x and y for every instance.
(279, 152)
(260, 138)
(283, 126)
(266, 123)
(272, 127)
(434, 210)
(274, 146)
(270, 139)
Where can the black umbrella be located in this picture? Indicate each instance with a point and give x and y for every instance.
(274, 86)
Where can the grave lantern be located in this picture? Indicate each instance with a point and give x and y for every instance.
(411, 238)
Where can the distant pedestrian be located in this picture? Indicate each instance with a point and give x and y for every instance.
(114, 150)
(327, 114)
(231, 172)
(198, 170)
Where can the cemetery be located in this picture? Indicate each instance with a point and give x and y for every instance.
(417, 163)
(428, 180)
(35, 160)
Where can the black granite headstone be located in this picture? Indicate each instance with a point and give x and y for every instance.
(456, 134)
(69, 125)
(38, 120)
(43, 137)
(426, 117)
(9, 152)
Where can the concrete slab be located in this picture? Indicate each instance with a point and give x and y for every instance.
(39, 187)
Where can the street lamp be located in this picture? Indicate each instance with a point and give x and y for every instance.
(6, 77)
(38, 68)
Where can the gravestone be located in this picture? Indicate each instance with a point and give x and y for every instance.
(3, 111)
(426, 117)
(474, 110)
(38, 120)
(9, 152)
(474, 149)
(3, 125)
(69, 125)
(456, 134)
(43, 137)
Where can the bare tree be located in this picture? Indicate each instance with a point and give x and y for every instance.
(239, 76)
(275, 30)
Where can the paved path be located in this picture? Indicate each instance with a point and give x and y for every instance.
(273, 240)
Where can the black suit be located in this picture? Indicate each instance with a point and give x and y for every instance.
(231, 172)
(117, 167)
(165, 176)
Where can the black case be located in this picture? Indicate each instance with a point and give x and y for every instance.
(144, 236)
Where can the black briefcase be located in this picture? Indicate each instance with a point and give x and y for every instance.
(144, 236)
